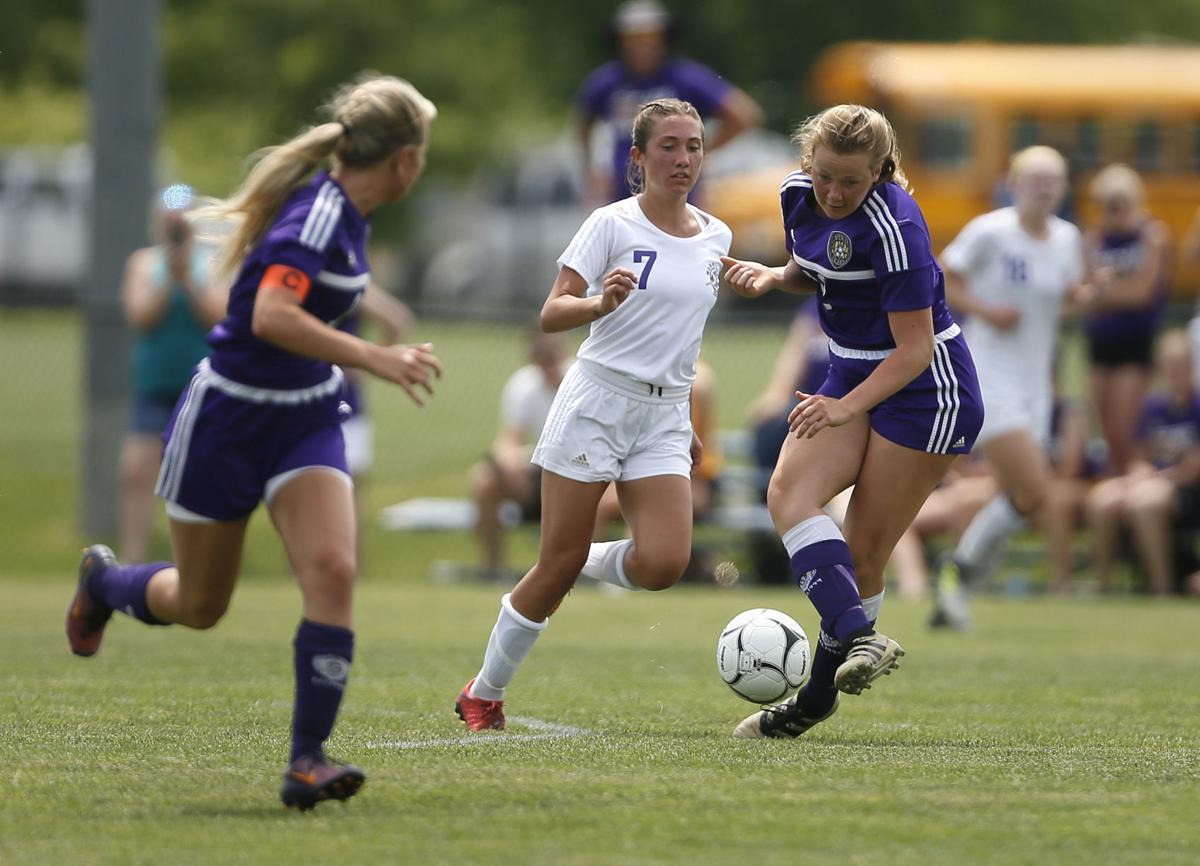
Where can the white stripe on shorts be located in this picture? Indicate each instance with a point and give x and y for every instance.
(181, 437)
(948, 401)
(879, 354)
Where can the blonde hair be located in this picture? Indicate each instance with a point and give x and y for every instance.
(1035, 155)
(647, 118)
(371, 118)
(1118, 179)
(852, 129)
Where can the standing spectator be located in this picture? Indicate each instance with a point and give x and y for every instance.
(645, 71)
(1011, 270)
(1127, 255)
(1162, 487)
(1075, 471)
(170, 305)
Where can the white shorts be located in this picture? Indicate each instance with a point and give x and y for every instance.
(1008, 409)
(605, 426)
(359, 434)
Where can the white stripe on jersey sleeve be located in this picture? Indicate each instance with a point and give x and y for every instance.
(796, 179)
(323, 218)
(890, 219)
(889, 255)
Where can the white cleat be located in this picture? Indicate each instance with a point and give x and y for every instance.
(869, 657)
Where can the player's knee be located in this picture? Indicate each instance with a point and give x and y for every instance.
(660, 569)
(332, 575)
(204, 613)
(485, 484)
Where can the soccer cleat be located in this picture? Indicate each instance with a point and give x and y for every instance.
(313, 778)
(869, 657)
(782, 720)
(951, 609)
(480, 715)
(86, 617)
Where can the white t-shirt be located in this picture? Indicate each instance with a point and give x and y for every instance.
(1004, 265)
(654, 336)
(525, 401)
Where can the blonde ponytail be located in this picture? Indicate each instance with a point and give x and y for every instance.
(373, 116)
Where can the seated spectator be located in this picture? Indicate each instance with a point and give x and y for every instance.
(1075, 470)
(505, 474)
(1161, 490)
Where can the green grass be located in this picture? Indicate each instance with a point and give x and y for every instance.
(1060, 732)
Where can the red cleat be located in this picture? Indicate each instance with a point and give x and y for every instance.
(86, 617)
(313, 778)
(480, 715)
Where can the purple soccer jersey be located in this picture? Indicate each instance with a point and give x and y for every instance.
(875, 261)
(1167, 432)
(613, 95)
(319, 232)
(1124, 253)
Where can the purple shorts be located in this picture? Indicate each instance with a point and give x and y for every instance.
(230, 446)
(940, 411)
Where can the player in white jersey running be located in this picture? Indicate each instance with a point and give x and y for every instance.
(644, 272)
(1011, 270)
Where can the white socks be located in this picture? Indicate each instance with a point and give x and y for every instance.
(872, 605)
(606, 563)
(512, 638)
(984, 538)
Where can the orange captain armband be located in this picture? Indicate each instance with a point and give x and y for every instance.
(287, 278)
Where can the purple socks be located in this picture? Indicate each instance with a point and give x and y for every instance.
(323, 655)
(123, 588)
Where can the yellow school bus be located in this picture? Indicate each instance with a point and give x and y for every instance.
(960, 110)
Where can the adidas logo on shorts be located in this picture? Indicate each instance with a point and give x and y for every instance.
(962, 441)
(579, 460)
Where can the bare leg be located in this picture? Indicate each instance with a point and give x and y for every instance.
(196, 592)
(1105, 507)
(1150, 505)
(659, 510)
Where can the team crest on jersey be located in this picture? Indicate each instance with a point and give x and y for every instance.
(838, 249)
(714, 277)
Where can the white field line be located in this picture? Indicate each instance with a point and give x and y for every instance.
(541, 731)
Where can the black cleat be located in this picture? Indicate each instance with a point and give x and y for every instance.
(782, 720)
(86, 617)
(313, 778)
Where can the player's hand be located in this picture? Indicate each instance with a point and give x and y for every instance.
(814, 413)
(697, 451)
(618, 283)
(1003, 318)
(749, 279)
(410, 367)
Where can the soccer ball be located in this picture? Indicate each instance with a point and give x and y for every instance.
(763, 655)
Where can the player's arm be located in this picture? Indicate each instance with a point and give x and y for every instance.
(912, 331)
(961, 299)
(280, 319)
(739, 113)
(144, 302)
(753, 280)
(567, 307)
(1135, 289)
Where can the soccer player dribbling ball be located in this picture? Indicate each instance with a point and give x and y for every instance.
(644, 272)
(260, 419)
(900, 402)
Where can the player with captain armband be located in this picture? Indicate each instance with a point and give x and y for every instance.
(900, 402)
(644, 272)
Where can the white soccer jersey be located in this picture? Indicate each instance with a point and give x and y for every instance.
(654, 336)
(1004, 265)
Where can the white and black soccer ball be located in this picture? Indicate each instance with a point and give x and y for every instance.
(763, 655)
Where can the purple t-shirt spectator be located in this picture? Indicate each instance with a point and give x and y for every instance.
(1124, 253)
(614, 96)
(1167, 432)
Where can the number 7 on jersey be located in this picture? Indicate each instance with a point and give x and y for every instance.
(649, 256)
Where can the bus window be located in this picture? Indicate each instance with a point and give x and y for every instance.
(946, 142)
(1025, 133)
(1147, 146)
(1087, 144)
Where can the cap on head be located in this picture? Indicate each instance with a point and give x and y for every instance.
(641, 16)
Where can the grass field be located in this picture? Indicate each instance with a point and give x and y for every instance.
(1062, 731)
(1058, 733)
